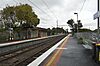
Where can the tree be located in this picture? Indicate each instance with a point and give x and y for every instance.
(71, 23)
(79, 24)
(23, 15)
(85, 30)
(57, 31)
(74, 26)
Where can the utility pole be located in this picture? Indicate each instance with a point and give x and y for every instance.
(57, 26)
(98, 9)
(57, 23)
(97, 45)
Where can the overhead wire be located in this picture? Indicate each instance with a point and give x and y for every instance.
(39, 3)
(45, 19)
(34, 4)
(42, 18)
(33, 7)
(15, 1)
(42, 11)
(45, 3)
(83, 5)
(38, 8)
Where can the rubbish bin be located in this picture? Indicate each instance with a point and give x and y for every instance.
(96, 52)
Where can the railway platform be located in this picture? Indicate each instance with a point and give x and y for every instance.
(69, 53)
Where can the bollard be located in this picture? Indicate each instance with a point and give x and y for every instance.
(98, 52)
(94, 50)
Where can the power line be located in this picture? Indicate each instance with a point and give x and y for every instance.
(44, 19)
(45, 3)
(38, 8)
(62, 25)
(35, 5)
(83, 5)
(15, 1)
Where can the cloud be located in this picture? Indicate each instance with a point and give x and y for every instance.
(63, 9)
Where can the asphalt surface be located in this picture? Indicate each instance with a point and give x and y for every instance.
(76, 55)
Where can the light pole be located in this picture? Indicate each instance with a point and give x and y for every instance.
(77, 24)
(77, 16)
(77, 21)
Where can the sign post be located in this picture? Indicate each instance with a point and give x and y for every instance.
(97, 45)
(98, 17)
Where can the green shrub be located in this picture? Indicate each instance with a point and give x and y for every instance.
(80, 40)
(3, 38)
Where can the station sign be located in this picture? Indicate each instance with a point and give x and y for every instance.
(96, 15)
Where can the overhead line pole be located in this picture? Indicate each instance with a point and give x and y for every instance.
(57, 26)
(98, 9)
(57, 23)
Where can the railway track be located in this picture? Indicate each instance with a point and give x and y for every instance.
(24, 56)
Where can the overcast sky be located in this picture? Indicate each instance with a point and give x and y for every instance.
(50, 10)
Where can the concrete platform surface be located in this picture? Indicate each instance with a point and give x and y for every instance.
(71, 54)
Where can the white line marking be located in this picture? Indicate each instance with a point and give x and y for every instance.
(41, 58)
(62, 48)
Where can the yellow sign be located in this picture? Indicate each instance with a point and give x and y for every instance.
(97, 44)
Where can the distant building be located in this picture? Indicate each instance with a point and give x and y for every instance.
(30, 33)
(42, 32)
(39, 32)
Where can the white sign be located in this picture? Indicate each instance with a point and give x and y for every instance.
(96, 15)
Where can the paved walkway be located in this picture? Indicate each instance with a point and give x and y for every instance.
(73, 55)
(76, 55)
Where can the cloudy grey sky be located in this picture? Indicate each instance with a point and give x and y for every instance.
(63, 10)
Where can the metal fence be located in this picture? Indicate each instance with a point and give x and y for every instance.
(87, 36)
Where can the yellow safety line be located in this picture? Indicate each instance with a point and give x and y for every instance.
(55, 55)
